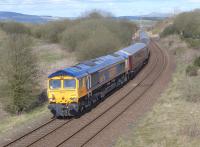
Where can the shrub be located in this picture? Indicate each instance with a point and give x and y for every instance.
(15, 28)
(123, 29)
(195, 43)
(77, 33)
(168, 31)
(187, 26)
(192, 70)
(96, 35)
(187, 23)
(50, 31)
(20, 72)
(197, 61)
(95, 14)
(97, 45)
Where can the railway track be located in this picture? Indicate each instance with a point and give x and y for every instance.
(41, 131)
(79, 132)
(124, 104)
(147, 85)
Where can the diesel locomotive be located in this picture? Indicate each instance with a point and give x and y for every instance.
(73, 90)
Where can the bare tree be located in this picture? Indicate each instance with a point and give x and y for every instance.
(20, 72)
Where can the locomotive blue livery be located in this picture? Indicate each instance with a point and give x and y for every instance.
(74, 89)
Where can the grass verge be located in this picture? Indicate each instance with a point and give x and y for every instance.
(13, 122)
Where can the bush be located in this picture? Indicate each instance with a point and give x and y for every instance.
(103, 43)
(192, 70)
(96, 14)
(20, 72)
(96, 35)
(168, 31)
(197, 62)
(50, 31)
(187, 25)
(123, 29)
(195, 43)
(15, 28)
(77, 33)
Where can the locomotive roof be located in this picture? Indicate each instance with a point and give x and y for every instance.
(130, 50)
(87, 67)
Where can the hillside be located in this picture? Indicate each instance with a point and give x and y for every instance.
(186, 25)
(18, 17)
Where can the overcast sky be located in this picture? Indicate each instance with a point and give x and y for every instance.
(73, 8)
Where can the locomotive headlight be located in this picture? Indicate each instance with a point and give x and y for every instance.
(53, 98)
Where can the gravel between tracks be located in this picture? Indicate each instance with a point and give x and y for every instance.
(108, 135)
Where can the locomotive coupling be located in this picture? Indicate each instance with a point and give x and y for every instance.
(64, 110)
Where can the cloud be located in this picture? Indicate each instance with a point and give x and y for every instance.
(33, 2)
(73, 8)
(194, 1)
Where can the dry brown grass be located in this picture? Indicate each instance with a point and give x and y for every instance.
(52, 57)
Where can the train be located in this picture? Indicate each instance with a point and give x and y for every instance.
(73, 90)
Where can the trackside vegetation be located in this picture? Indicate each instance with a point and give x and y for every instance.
(192, 69)
(19, 71)
(186, 25)
(174, 120)
(11, 27)
(93, 34)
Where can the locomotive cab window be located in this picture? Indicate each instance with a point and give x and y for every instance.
(55, 84)
(70, 84)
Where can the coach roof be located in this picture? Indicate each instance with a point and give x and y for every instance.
(131, 49)
(87, 67)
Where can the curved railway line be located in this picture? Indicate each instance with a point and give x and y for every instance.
(79, 132)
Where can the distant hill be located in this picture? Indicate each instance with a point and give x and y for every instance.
(146, 17)
(13, 16)
(151, 16)
(158, 15)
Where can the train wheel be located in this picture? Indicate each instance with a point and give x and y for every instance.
(89, 104)
(81, 110)
(54, 114)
